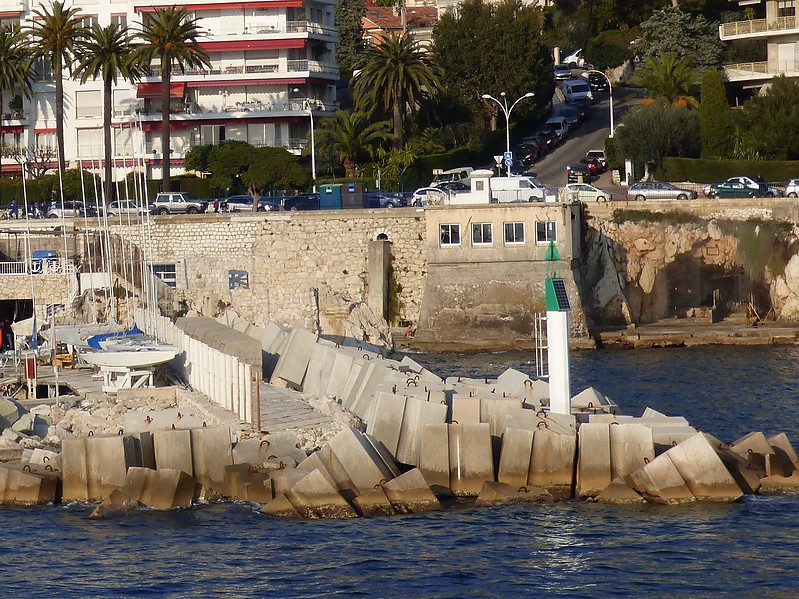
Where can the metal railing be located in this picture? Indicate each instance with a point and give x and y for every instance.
(748, 70)
(37, 267)
(276, 28)
(753, 26)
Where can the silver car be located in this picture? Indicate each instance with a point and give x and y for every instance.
(658, 190)
(792, 188)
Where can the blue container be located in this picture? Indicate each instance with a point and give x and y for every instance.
(45, 255)
(330, 196)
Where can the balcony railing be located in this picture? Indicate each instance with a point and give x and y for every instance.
(760, 70)
(37, 267)
(291, 66)
(756, 26)
(277, 28)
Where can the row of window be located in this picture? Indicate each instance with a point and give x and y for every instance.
(483, 233)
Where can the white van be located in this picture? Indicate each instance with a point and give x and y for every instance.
(576, 89)
(559, 125)
(517, 189)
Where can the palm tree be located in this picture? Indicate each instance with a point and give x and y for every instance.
(105, 54)
(56, 32)
(169, 35)
(351, 136)
(15, 67)
(397, 75)
(669, 78)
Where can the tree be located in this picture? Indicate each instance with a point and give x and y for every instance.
(274, 168)
(56, 32)
(105, 54)
(715, 124)
(506, 53)
(669, 79)
(196, 158)
(672, 30)
(15, 67)
(351, 136)
(397, 76)
(772, 120)
(652, 132)
(227, 162)
(350, 46)
(170, 36)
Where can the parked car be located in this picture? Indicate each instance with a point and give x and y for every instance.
(594, 166)
(303, 201)
(741, 187)
(575, 59)
(530, 151)
(559, 125)
(177, 203)
(577, 172)
(597, 82)
(583, 192)
(574, 115)
(383, 199)
(60, 209)
(562, 72)
(517, 167)
(658, 190)
(429, 195)
(792, 188)
(598, 155)
(268, 204)
(576, 89)
(452, 186)
(239, 203)
(549, 138)
(125, 208)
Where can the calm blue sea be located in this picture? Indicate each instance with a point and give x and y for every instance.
(568, 549)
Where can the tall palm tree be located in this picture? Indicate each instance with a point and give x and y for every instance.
(351, 136)
(105, 54)
(56, 31)
(669, 78)
(169, 35)
(397, 76)
(16, 70)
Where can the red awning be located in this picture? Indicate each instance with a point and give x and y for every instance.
(153, 90)
(12, 128)
(217, 5)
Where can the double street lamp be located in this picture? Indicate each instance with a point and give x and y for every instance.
(610, 94)
(313, 144)
(504, 106)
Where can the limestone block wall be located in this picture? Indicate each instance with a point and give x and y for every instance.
(45, 289)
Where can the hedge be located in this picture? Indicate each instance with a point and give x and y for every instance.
(706, 170)
(611, 48)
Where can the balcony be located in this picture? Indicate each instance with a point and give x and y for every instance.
(214, 32)
(14, 119)
(37, 267)
(761, 71)
(758, 28)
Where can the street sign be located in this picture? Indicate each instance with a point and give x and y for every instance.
(508, 161)
(507, 156)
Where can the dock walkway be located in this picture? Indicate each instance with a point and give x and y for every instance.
(283, 409)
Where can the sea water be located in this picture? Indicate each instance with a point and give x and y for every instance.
(570, 549)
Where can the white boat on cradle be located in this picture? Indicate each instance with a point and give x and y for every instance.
(133, 356)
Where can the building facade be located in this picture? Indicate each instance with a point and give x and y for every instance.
(777, 25)
(272, 61)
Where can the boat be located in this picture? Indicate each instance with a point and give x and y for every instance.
(132, 356)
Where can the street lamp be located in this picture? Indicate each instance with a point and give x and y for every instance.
(504, 106)
(313, 143)
(610, 94)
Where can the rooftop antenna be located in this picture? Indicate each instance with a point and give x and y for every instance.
(558, 308)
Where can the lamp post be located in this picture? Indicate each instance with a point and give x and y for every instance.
(610, 94)
(313, 143)
(504, 106)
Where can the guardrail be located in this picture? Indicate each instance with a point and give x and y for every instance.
(753, 26)
(37, 267)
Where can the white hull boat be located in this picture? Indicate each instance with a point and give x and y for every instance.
(133, 356)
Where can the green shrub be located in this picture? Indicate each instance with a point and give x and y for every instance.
(702, 170)
(677, 217)
(611, 48)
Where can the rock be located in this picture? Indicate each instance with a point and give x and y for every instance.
(25, 424)
(116, 502)
(10, 412)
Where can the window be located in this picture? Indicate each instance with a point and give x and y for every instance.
(166, 272)
(514, 233)
(482, 234)
(88, 104)
(786, 8)
(90, 142)
(121, 20)
(45, 141)
(545, 231)
(450, 235)
(479, 185)
(88, 21)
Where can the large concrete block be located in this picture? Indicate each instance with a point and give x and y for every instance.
(514, 462)
(434, 456)
(593, 462)
(293, 361)
(319, 364)
(374, 503)
(336, 470)
(339, 374)
(74, 469)
(173, 450)
(592, 401)
(280, 507)
(19, 486)
(361, 462)
(512, 382)
(417, 414)
(212, 451)
(471, 461)
(552, 462)
(619, 492)
(10, 412)
(745, 476)
(411, 494)
(498, 493)
(492, 412)
(521, 418)
(161, 489)
(465, 409)
(785, 460)
(323, 498)
(631, 447)
(273, 340)
(660, 482)
(180, 418)
(755, 448)
(107, 463)
(703, 471)
(281, 446)
(246, 483)
(386, 422)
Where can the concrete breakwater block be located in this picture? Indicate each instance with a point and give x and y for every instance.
(294, 358)
(498, 493)
(410, 494)
(339, 374)
(593, 401)
(319, 365)
(179, 418)
(10, 412)
(620, 493)
(493, 412)
(785, 460)
(373, 504)
(247, 483)
(162, 489)
(552, 463)
(418, 413)
(92, 467)
(776, 483)
(593, 460)
(362, 464)
(386, 422)
(173, 450)
(631, 447)
(514, 461)
(703, 471)
(471, 461)
(756, 449)
(660, 482)
(434, 457)
(282, 445)
(512, 382)
(465, 409)
(19, 486)
(745, 476)
(280, 507)
(323, 499)
(212, 452)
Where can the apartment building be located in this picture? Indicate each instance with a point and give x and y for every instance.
(272, 62)
(774, 21)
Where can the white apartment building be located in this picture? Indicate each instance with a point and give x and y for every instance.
(260, 51)
(779, 28)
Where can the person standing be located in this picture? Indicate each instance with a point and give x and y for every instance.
(216, 205)
(13, 209)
